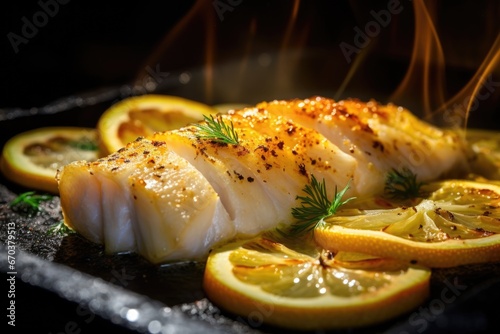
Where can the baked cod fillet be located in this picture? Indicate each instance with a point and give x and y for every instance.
(173, 196)
(144, 198)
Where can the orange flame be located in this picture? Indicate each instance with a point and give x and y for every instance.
(424, 80)
(197, 28)
(423, 85)
(288, 60)
(426, 70)
(248, 47)
(455, 111)
(356, 64)
(209, 57)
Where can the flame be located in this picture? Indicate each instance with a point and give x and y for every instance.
(358, 60)
(286, 59)
(455, 111)
(196, 29)
(209, 57)
(291, 24)
(426, 70)
(422, 87)
(248, 47)
(424, 81)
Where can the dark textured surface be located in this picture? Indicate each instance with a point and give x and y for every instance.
(73, 278)
(68, 281)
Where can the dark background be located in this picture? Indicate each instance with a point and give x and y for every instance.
(86, 46)
(83, 47)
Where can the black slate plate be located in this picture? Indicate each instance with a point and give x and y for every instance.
(67, 284)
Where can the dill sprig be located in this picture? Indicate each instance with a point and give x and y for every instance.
(402, 184)
(217, 130)
(59, 228)
(316, 206)
(30, 199)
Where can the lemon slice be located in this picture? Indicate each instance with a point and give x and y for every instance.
(32, 158)
(143, 115)
(457, 224)
(265, 282)
(486, 144)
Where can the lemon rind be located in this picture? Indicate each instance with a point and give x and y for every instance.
(115, 115)
(21, 170)
(326, 311)
(442, 254)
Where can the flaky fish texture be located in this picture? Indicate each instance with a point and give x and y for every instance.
(174, 196)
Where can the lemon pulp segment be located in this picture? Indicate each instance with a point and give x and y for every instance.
(458, 223)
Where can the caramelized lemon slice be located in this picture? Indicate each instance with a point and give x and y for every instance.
(457, 224)
(32, 158)
(265, 281)
(143, 115)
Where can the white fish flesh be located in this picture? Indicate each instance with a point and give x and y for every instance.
(174, 196)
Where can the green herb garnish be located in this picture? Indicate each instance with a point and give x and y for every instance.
(217, 130)
(30, 199)
(316, 206)
(59, 229)
(84, 144)
(403, 185)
